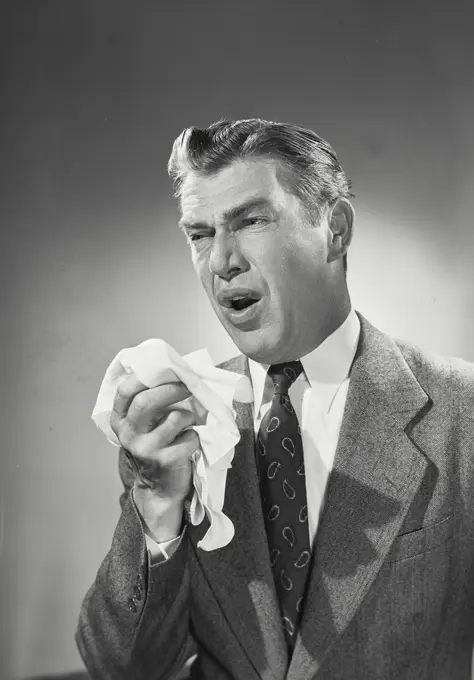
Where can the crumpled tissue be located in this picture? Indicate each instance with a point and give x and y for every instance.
(212, 392)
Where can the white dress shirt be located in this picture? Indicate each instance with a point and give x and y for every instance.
(318, 397)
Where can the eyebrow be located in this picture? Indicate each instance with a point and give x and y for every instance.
(229, 215)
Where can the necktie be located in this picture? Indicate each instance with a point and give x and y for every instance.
(283, 490)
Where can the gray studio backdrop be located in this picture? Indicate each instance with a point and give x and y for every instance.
(93, 95)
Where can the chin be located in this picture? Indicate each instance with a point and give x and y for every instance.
(256, 346)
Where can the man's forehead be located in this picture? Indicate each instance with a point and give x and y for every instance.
(240, 182)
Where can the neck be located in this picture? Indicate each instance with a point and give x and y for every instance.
(327, 325)
(335, 314)
(336, 318)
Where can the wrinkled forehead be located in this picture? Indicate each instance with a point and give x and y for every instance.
(206, 197)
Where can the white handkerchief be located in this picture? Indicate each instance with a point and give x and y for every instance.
(213, 390)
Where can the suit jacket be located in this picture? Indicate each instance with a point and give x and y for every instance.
(391, 588)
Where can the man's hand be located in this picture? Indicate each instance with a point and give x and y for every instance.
(151, 425)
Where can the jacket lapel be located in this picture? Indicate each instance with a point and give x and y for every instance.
(377, 470)
(240, 574)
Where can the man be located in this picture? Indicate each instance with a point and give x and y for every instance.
(352, 487)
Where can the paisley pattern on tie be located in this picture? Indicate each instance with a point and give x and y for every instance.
(283, 491)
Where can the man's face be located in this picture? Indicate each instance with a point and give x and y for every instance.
(262, 264)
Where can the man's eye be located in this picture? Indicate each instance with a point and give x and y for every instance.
(196, 237)
(249, 221)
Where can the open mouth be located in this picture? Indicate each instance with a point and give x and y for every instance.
(241, 303)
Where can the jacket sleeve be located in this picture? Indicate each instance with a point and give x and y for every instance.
(134, 620)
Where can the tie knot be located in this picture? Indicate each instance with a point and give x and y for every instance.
(284, 375)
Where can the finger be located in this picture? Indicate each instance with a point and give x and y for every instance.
(159, 470)
(183, 446)
(152, 444)
(178, 454)
(126, 391)
(149, 407)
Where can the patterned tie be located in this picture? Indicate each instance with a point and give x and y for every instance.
(282, 486)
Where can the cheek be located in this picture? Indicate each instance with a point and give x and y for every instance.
(206, 279)
(293, 285)
(200, 267)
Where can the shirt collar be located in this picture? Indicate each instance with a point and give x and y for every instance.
(326, 367)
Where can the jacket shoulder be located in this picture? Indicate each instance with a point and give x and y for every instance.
(437, 371)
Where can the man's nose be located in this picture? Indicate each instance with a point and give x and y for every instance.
(226, 259)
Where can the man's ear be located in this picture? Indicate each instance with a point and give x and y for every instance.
(341, 222)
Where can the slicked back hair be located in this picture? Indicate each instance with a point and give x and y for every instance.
(309, 167)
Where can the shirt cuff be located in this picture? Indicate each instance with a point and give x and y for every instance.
(159, 552)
